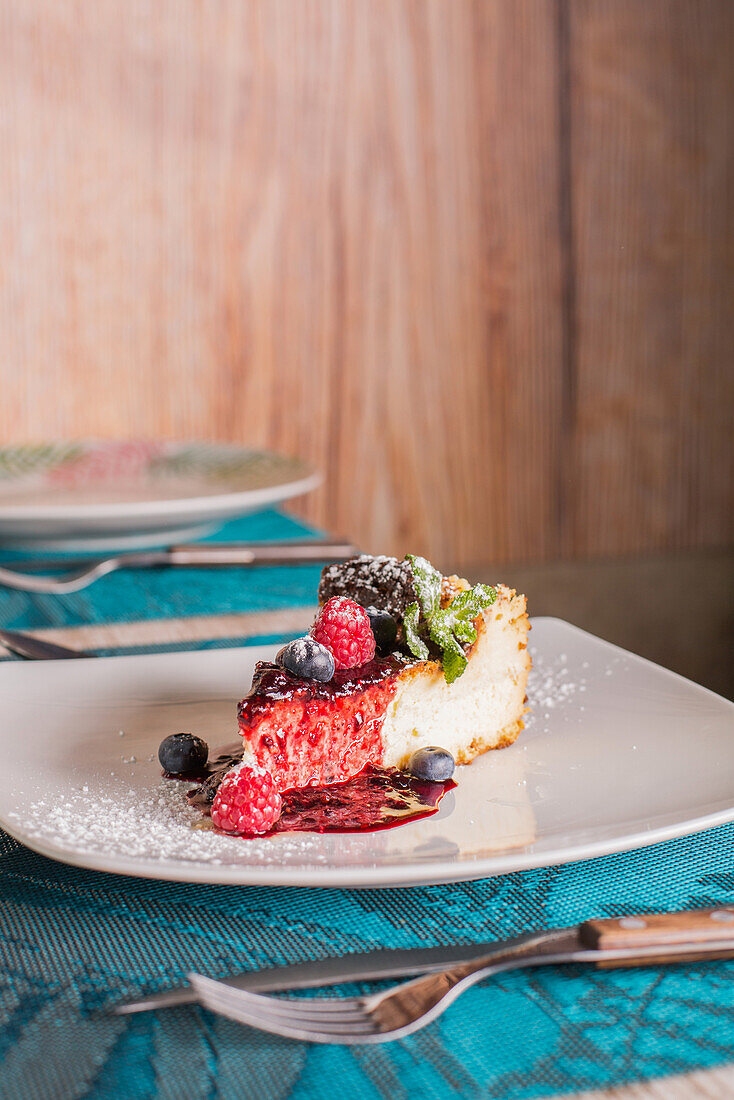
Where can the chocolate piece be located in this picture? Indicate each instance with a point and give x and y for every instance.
(381, 582)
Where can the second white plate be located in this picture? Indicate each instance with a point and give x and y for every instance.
(96, 495)
(618, 753)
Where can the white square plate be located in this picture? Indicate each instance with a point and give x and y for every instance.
(618, 753)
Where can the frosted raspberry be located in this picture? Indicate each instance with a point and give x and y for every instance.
(344, 628)
(247, 801)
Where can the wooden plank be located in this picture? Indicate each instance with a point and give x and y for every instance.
(713, 1084)
(330, 227)
(336, 228)
(652, 169)
(517, 386)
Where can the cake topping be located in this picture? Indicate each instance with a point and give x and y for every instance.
(380, 582)
(247, 801)
(271, 684)
(449, 628)
(308, 659)
(344, 628)
(434, 615)
(385, 630)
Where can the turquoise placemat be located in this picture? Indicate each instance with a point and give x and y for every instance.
(137, 594)
(74, 941)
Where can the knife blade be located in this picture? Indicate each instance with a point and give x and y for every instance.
(209, 553)
(369, 966)
(36, 649)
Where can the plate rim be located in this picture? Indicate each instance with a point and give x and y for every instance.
(370, 878)
(180, 506)
(383, 876)
(307, 478)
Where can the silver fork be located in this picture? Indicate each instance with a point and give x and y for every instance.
(381, 1017)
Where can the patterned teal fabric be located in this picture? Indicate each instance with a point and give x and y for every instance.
(134, 594)
(72, 942)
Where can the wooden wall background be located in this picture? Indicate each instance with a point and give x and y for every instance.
(474, 258)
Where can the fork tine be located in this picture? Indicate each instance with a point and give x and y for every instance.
(294, 1010)
(314, 1005)
(71, 581)
(306, 1007)
(262, 1017)
(255, 1010)
(316, 1010)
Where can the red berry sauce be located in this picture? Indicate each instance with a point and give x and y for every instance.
(377, 798)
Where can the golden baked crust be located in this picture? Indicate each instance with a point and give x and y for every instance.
(451, 587)
(507, 736)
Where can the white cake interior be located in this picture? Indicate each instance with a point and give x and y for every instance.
(482, 709)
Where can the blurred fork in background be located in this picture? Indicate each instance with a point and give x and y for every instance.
(201, 554)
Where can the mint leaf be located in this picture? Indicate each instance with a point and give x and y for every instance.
(416, 645)
(467, 605)
(486, 594)
(427, 584)
(454, 662)
(439, 628)
(465, 630)
(449, 628)
(454, 659)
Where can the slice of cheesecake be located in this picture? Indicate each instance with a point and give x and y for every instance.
(309, 733)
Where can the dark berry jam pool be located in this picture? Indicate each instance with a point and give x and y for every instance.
(377, 798)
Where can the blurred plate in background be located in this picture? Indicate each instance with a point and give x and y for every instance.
(92, 495)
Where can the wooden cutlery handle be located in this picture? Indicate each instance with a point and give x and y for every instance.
(655, 938)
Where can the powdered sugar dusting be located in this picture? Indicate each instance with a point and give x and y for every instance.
(154, 824)
(550, 686)
(248, 761)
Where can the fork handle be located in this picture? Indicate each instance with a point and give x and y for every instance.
(647, 940)
(654, 938)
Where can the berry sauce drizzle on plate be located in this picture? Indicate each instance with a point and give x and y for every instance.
(377, 798)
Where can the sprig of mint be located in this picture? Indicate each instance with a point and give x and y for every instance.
(450, 628)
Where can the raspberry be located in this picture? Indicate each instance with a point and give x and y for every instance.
(344, 628)
(247, 801)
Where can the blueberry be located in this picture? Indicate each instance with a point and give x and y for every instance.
(432, 764)
(384, 628)
(307, 658)
(182, 754)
